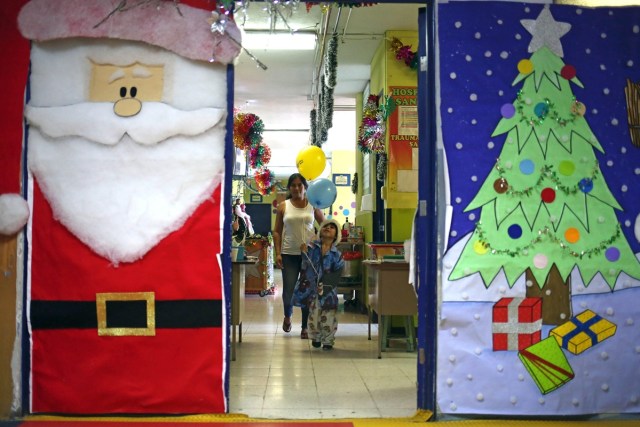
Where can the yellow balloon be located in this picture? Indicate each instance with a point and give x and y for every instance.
(311, 162)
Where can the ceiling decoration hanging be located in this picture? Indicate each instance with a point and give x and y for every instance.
(404, 53)
(322, 118)
(278, 11)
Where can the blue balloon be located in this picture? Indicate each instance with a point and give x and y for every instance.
(321, 193)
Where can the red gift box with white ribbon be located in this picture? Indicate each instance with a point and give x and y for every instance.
(517, 323)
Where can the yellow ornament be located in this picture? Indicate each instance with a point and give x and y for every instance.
(480, 248)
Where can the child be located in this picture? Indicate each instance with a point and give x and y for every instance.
(321, 262)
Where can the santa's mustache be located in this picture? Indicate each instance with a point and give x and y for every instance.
(97, 122)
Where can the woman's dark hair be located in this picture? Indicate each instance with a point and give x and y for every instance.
(290, 183)
(300, 177)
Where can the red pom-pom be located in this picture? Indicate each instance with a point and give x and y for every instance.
(568, 72)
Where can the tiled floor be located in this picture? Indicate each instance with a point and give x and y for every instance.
(278, 375)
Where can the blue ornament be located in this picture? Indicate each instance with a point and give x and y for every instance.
(585, 185)
(515, 231)
(322, 193)
(541, 109)
(527, 167)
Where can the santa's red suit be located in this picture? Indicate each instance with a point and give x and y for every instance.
(178, 370)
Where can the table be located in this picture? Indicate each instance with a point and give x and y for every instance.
(390, 294)
(237, 301)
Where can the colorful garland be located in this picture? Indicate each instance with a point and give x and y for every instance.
(259, 156)
(371, 135)
(265, 180)
(247, 130)
(404, 53)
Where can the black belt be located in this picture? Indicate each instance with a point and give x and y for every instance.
(112, 314)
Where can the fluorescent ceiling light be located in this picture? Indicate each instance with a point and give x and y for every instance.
(264, 40)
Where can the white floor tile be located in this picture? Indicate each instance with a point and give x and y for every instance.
(278, 375)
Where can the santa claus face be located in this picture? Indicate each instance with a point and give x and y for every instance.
(132, 146)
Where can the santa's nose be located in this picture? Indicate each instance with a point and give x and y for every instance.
(127, 105)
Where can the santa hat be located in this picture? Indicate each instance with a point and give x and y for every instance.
(180, 28)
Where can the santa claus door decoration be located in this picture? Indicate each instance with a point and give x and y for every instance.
(126, 159)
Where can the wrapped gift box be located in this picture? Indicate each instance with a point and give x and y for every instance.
(547, 365)
(583, 331)
(517, 323)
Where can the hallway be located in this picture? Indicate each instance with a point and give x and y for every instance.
(278, 375)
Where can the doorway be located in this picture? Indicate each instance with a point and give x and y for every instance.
(260, 214)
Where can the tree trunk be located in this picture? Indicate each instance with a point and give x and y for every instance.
(555, 294)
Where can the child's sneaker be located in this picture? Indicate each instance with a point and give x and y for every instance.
(315, 344)
(327, 347)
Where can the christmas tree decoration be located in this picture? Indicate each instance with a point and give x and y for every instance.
(583, 331)
(547, 365)
(540, 202)
(546, 31)
(404, 53)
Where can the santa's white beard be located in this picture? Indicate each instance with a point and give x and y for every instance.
(97, 122)
(122, 199)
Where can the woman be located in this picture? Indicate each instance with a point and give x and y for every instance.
(294, 226)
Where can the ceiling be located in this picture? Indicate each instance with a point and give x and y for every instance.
(282, 95)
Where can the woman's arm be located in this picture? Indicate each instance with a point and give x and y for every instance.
(277, 233)
(318, 215)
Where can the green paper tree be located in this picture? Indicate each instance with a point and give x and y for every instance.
(545, 206)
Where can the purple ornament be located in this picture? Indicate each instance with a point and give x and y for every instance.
(507, 111)
(612, 254)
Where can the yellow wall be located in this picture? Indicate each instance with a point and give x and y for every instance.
(387, 71)
(399, 74)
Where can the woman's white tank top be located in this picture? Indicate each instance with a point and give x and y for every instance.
(298, 227)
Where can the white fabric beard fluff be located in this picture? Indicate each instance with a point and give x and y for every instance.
(97, 122)
(122, 200)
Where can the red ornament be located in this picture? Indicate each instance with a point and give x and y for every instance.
(568, 72)
(548, 195)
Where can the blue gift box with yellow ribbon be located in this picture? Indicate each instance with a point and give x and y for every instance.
(583, 331)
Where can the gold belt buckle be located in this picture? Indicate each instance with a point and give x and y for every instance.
(101, 307)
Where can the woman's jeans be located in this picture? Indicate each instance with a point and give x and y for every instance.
(290, 271)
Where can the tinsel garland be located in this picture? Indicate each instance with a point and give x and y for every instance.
(404, 53)
(259, 156)
(247, 130)
(326, 109)
(313, 127)
(331, 62)
(354, 183)
(546, 172)
(371, 135)
(546, 110)
(326, 5)
(546, 234)
(381, 167)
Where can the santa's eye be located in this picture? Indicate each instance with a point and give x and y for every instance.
(123, 92)
(133, 92)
